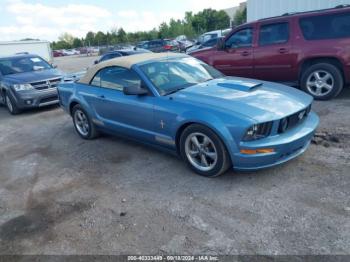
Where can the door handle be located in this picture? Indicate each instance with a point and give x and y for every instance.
(245, 53)
(102, 96)
(283, 50)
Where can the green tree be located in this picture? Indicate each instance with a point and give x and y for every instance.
(100, 39)
(209, 20)
(90, 39)
(240, 16)
(163, 30)
(122, 36)
(77, 42)
(61, 45)
(66, 37)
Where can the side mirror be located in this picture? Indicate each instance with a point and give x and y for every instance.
(96, 62)
(221, 44)
(54, 66)
(134, 90)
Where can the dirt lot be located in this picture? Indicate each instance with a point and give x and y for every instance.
(62, 195)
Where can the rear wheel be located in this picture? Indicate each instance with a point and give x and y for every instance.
(204, 151)
(83, 124)
(11, 105)
(323, 81)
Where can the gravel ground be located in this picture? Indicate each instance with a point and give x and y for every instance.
(62, 195)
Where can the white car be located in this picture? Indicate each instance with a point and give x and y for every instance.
(68, 52)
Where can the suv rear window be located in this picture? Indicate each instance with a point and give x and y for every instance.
(326, 26)
(274, 34)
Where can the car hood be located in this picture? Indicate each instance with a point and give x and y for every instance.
(34, 76)
(258, 100)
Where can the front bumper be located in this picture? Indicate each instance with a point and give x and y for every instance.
(286, 147)
(36, 98)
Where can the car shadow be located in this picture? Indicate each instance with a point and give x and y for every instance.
(4, 114)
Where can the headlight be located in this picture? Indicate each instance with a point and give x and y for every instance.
(258, 131)
(22, 87)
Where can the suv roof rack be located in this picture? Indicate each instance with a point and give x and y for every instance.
(305, 12)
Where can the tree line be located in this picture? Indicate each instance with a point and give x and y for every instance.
(192, 26)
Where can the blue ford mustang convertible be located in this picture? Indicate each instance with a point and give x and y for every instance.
(181, 104)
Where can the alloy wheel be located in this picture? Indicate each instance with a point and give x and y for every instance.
(81, 122)
(320, 83)
(201, 151)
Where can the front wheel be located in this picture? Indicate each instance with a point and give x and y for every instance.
(11, 105)
(203, 151)
(83, 124)
(323, 81)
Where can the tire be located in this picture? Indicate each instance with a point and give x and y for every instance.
(207, 148)
(325, 77)
(83, 124)
(11, 105)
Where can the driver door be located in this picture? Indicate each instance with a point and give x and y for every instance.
(130, 115)
(236, 59)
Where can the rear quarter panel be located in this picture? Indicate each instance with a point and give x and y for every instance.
(328, 48)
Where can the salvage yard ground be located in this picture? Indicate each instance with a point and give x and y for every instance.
(60, 194)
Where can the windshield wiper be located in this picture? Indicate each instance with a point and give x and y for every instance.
(209, 79)
(174, 91)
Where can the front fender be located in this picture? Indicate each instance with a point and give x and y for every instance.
(227, 128)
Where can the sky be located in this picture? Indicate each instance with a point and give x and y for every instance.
(46, 20)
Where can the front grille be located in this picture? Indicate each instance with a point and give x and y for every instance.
(293, 120)
(46, 84)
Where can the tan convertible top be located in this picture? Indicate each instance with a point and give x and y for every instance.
(125, 61)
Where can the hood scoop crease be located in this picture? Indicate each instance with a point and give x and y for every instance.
(244, 86)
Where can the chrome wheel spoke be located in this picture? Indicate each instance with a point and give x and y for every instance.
(195, 142)
(319, 91)
(206, 141)
(194, 153)
(204, 160)
(328, 86)
(326, 77)
(317, 75)
(311, 83)
(211, 155)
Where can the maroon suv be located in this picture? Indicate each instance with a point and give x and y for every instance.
(310, 50)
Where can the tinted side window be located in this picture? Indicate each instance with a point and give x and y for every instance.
(242, 38)
(274, 34)
(118, 77)
(211, 42)
(326, 26)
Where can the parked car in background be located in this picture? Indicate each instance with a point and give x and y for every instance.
(68, 52)
(57, 53)
(159, 99)
(213, 34)
(120, 53)
(184, 43)
(141, 44)
(27, 81)
(161, 45)
(310, 50)
(210, 43)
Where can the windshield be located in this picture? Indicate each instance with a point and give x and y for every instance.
(177, 73)
(15, 65)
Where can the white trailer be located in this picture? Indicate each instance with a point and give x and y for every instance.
(40, 48)
(258, 9)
